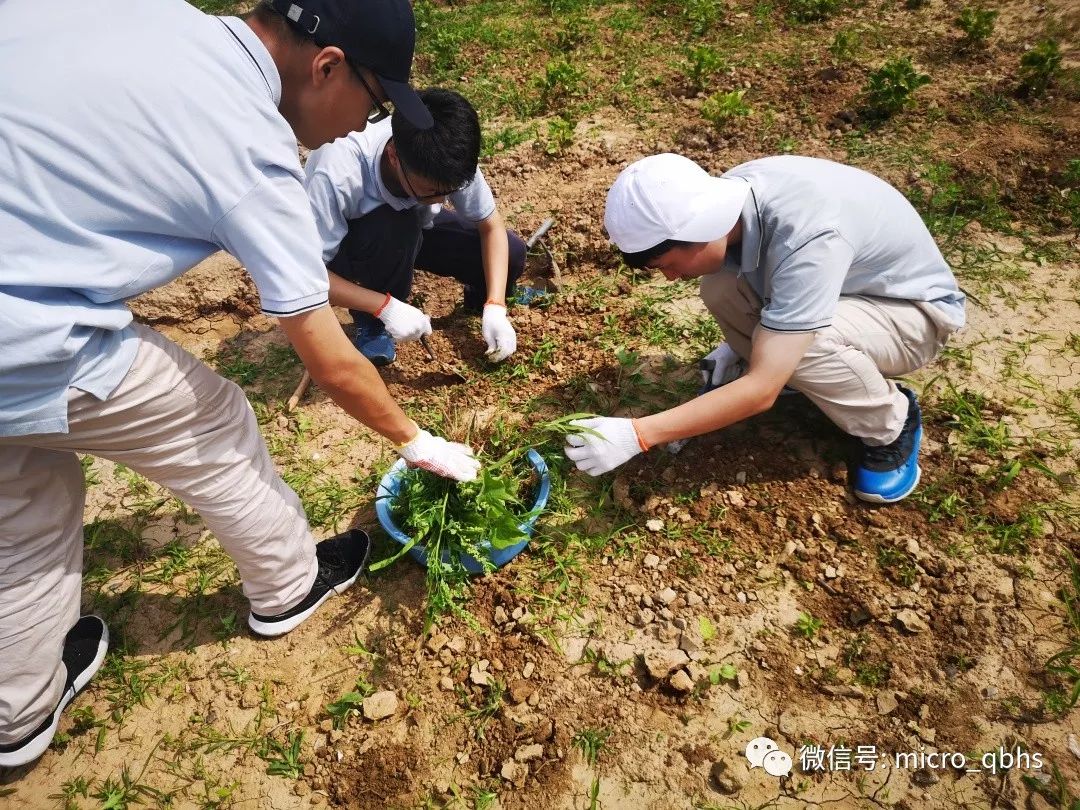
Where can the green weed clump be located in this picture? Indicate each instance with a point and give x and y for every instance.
(1039, 66)
(702, 63)
(720, 108)
(560, 135)
(977, 23)
(452, 520)
(888, 89)
(844, 45)
(812, 10)
(561, 81)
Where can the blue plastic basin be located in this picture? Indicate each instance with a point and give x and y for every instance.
(391, 485)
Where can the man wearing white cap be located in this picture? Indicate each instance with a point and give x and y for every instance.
(823, 278)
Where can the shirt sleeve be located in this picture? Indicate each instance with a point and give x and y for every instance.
(475, 202)
(804, 289)
(272, 232)
(328, 207)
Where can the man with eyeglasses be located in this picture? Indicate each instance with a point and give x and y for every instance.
(135, 140)
(377, 197)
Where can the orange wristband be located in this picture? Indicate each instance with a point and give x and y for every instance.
(496, 303)
(382, 306)
(644, 447)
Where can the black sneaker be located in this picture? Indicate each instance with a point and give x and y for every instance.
(84, 649)
(341, 559)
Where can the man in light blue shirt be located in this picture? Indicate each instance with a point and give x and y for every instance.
(135, 140)
(821, 276)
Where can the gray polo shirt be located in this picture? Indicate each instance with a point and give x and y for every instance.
(344, 182)
(135, 140)
(814, 230)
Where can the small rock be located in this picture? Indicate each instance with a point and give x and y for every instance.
(380, 705)
(786, 724)
(682, 682)
(982, 595)
(446, 683)
(479, 676)
(742, 678)
(740, 597)
(692, 599)
(518, 613)
(724, 779)
(912, 547)
(500, 615)
(1074, 746)
(514, 772)
(642, 617)
(925, 777)
(528, 753)
(990, 692)
(687, 643)
(456, 645)
(654, 525)
(520, 691)
(661, 663)
(436, 642)
(651, 561)
(666, 596)
(735, 498)
(830, 572)
(573, 648)
(740, 477)
(887, 702)
(909, 621)
(528, 670)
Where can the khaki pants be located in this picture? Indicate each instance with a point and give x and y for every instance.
(178, 423)
(845, 369)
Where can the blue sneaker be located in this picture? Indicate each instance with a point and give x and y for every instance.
(530, 296)
(891, 472)
(372, 340)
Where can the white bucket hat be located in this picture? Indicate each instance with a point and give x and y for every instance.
(669, 196)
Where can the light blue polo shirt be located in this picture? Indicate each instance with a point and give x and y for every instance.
(814, 230)
(135, 140)
(344, 182)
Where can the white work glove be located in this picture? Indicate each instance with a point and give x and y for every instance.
(617, 443)
(719, 367)
(437, 455)
(498, 333)
(403, 321)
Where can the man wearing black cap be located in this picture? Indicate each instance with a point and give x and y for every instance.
(135, 140)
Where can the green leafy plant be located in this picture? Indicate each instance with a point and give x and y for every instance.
(844, 45)
(561, 81)
(1039, 66)
(977, 23)
(702, 63)
(701, 15)
(283, 759)
(721, 108)
(889, 88)
(806, 626)
(812, 10)
(560, 135)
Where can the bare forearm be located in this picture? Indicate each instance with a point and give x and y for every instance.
(496, 256)
(359, 390)
(717, 409)
(343, 293)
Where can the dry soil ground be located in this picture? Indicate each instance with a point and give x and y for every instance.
(667, 614)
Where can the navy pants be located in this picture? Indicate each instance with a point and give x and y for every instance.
(382, 249)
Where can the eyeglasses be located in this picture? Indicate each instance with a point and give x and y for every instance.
(439, 195)
(379, 111)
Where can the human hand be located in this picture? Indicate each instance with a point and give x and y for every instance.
(606, 443)
(437, 455)
(498, 332)
(403, 321)
(719, 367)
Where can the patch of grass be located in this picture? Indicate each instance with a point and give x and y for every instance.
(845, 45)
(560, 135)
(702, 63)
(283, 758)
(805, 11)
(591, 742)
(897, 565)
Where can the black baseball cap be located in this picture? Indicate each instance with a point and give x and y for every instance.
(377, 34)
